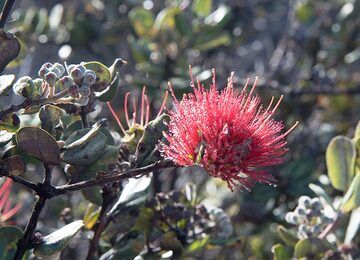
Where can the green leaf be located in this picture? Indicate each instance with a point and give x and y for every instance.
(319, 191)
(10, 122)
(38, 143)
(49, 116)
(102, 73)
(110, 92)
(13, 165)
(302, 248)
(166, 18)
(357, 132)
(197, 245)
(219, 17)
(142, 21)
(211, 41)
(202, 7)
(6, 82)
(58, 240)
(279, 252)
(351, 198)
(5, 137)
(286, 235)
(353, 226)
(8, 238)
(9, 48)
(340, 162)
(85, 146)
(91, 215)
(133, 195)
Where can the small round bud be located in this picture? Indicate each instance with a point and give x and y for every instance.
(289, 218)
(74, 91)
(60, 67)
(42, 72)
(302, 228)
(70, 67)
(76, 74)
(83, 101)
(304, 201)
(56, 71)
(316, 203)
(66, 82)
(47, 65)
(89, 77)
(50, 78)
(299, 211)
(84, 91)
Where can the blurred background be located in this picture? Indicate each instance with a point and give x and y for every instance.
(306, 50)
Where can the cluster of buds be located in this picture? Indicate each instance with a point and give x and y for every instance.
(174, 207)
(309, 217)
(53, 84)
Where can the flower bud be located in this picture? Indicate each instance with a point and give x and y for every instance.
(70, 67)
(42, 72)
(24, 86)
(89, 77)
(50, 78)
(304, 201)
(60, 67)
(74, 91)
(316, 203)
(77, 74)
(84, 91)
(66, 82)
(299, 211)
(47, 65)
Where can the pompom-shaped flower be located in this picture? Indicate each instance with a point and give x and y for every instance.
(228, 133)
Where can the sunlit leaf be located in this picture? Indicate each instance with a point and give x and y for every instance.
(340, 162)
(58, 240)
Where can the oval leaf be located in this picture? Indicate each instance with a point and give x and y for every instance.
(285, 234)
(279, 252)
(88, 150)
(6, 81)
(142, 21)
(58, 240)
(351, 198)
(133, 195)
(38, 143)
(340, 162)
(8, 237)
(9, 48)
(5, 137)
(14, 165)
(302, 248)
(102, 73)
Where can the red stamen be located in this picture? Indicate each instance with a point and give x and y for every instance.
(126, 110)
(116, 118)
(163, 103)
(147, 110)
(142, 106)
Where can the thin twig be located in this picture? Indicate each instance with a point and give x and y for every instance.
(6, 12)
(25, 242)
(28, 184)
(104, 179)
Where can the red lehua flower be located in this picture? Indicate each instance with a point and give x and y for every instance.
(228, 133)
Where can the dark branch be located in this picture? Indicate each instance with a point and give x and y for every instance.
(104, 179)
(25, 242)
(28, 184)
